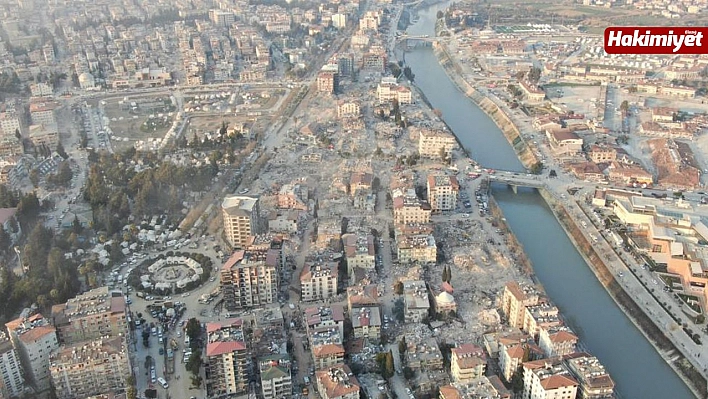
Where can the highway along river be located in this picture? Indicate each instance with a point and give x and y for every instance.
(637, 369)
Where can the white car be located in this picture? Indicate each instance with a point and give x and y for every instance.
(179, 334)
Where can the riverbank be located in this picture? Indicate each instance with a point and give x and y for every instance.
(501, 119)
(663, 345)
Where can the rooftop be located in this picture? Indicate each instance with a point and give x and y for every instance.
(235, 205)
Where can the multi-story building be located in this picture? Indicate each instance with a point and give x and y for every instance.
(276, 377)
(359, 251)
(548, 379)
(337, 382)
(409, 209)
(98, 313)
(511, 356)
(325, 318)
(250, 278)
(432, 143)
(419, 248)
(327, 355)
(595, 381)
(44, 135)
(467, 362)
(415, 300)
(293, 196)
(515, 299)
(423, 354)
(226, 358)
(443, 192)
(366, 323)
(390, 91)
(90, 368)
(9, 123)
(10, 146)
(328, 82)
(221, 18)
(34, 339)
(543, 315)
(42, 111)
(318, 281)
(348, 109)
(241, 219)
(557, 341)
(362, 296)
(11, 375)
(601, 154)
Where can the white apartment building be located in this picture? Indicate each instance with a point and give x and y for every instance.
(90, 368)
(339, 20)
(11, 374)
(241, 219)
(409, 209)
(432, 142)
(34, 339)
(318, 281)
(387, 92)
(276, 378)
(548, 379)
(9, 123)
(348, 109)
(443, 192)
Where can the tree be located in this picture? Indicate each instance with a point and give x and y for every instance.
(131, 392)
(76, 226)
(195, 362)
(194, 329)
(445, 274)
(34, 177)
(402, 346)
(5, 240)
(440, 14)
(408, 373)
(624, 107)
(534, 75)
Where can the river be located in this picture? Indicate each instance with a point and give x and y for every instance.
(604, 329)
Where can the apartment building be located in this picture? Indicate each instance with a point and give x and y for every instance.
(423, 354)
(409, 209)
(250, 278)
(98, 313)
(415, 300)
(226, 358)
(511, 356)
(348, 109)
(433, 143)
(325, 318)
(366, 323)
(91, 368)
(515, 299)
(540, 316)
(221, 18)
(44, 135)
(443, 192)
(467, 362)
(9, 123)
(595, 382)
(293, 196)
(34, 339)
(390, 91)
(328, 82)
(548, 378)
(359, 251)
(602, 154)
(327, 355)
(413, 248)
(276, 377)
(42, 111)
(362, 296)
(12, 381)
(10, 146)
(531, 93)
(564, 141)
(337, 382)
(557, 341)
(241, 219)
(318, 281)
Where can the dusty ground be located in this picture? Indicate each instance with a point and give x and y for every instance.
(130, 125)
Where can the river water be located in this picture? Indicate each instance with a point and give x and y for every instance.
(606, 332)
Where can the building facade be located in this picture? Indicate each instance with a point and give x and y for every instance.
(250, 278)
(241, 219)
(318, 281)
(34, 339)
(98, 313)
(90, 368)
(443, 192)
